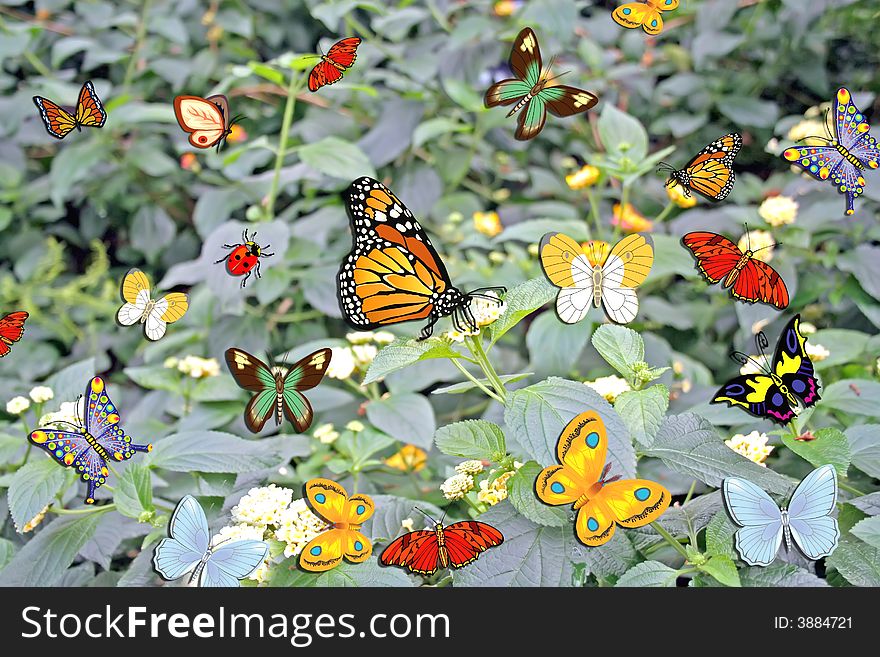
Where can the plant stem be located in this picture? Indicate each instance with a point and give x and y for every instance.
(79, 512)
(851, 489)
(475, 381)
(475, 344)
(293, 88)
(687, 498)
(140, 36)
(670, 539)
(664, 212)
(594, 212)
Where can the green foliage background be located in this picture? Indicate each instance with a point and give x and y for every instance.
(77, 214)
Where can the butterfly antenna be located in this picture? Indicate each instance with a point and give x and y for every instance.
(744, 359)
(425, 514)
(761, 342)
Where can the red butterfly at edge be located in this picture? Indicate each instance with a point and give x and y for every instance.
(425, 551)
(339, 58)
(11, 330)
(749, 279)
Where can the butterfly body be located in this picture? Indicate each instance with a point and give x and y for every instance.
(343, 538)
(534, 91)
(425, 551)
(139, 307)
(189, 549)
(788, 383)
(851, 150)
(244, 258)
(59, 121)
(710, 172)
(392, 273)
(805, 522)
(645, 15)
(749, 279)
(206, 120)
(93, 444)
(279, 388)
(338, 59)
(595, 273)
(582, 480)
(11, 330)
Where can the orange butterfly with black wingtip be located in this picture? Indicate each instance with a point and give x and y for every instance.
(343, 538)
(393, 274)
(710, 172)
(205, 119)
(582, 480)
(59, 121)
(338, 59)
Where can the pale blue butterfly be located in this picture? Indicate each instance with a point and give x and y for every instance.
(189, 548)
(763, 523)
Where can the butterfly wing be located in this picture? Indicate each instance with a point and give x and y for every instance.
(813, 530)
(306, 374)
(792, 364)
(466, 540)
(167, 310)
(760, 519)
(710, 173)
(562, 100)
(581, 451)
(231, 562)
(253, 374)
(715, 255)
(188, 542)
(757, 395)
(506, 92)
(324, 73)
(392, 274)
(626, 267)
(525, 62)
(344, 52)
(530, 121)
(566, 265)
(634, 502)
(418, 551)
(58, 121)
(136, 293)
(11, 330)
(202, 119)
(89, 108)
(758, 281)
(102, 422)
(330, 501)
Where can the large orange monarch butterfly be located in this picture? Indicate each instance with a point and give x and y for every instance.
(11, 330)
(710, 172)
(343, 537)
(205, 119)
(338, 59)
(392, 273)
(59, 122)
(425, 551)
(582, 480)
(748, 278)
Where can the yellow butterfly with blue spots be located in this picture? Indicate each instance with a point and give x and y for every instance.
(583, 480)
(344, 516)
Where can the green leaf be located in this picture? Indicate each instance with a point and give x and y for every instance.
(868, 530)
(211, 451)
(69, 383)
(864, 263)
(436, 127)
(553, 345)
(537, 414)
(472, 439)
(719, 536)
(7, 551)
(723, 569)
(830, 446)
(359, 446)
(745, 110)
(408, 417)
(521, 301)
(155, 377)
(134, 492)
(643, 411)
(621, 134)
(366, 574)
(620, 347)
(857, 561)
(531, 555)
(779, 575)
(44, 559)
(402, 353)
(857, 396)
(521, 493)
(32, 488)
(648, 573)
(338, 158)
(688, 444)
(864, 444)
(464, 386)
(611, 560)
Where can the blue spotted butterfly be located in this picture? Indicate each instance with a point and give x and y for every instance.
(847, 154)
(90, 446)
(344, 516)
(189, 549)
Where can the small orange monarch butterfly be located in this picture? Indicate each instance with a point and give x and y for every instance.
(338, 59)
(205, 119)
(710, 172)
(647, 16)
(392, 273)
(59, 122)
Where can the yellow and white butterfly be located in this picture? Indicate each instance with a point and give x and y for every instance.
(594, 272)
(156, 314)
(601, 498)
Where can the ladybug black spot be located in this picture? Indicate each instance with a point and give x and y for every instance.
(246, 265)
(237, 257)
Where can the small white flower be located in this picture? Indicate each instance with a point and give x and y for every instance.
(297, 525)
(806, 328)
(471, 467)
(364, 354)
(360, 337)
(753, 446)
(326, 434)
(816, 352)
(17, 405)
(383, 337)
(342, 363)
(457, 486)
(262, 506)
(41, 394)
(407, 524)
(198, 368)
(609, 387)
(355, 426)
(751, 366)
(486, 311)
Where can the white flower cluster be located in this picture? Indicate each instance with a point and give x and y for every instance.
(297, 526)
(753, 446)
(485, 311)
(360, 352)
(262, 506)
(194, 366)
(457, 486)
(471, 467)
(71, 412)
(609, 387)
(40, 395)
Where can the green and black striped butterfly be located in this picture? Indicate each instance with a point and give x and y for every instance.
(279, 388)
(535, 91)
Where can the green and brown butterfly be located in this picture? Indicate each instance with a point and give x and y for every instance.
(534, 90)
(278, 388)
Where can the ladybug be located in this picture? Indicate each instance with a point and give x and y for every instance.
(245, 257)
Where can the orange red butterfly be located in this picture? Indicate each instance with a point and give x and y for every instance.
(11, 330)
(338, 59)
(89, 112)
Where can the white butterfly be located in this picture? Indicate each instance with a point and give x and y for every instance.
(155, 315)
(595, 273)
